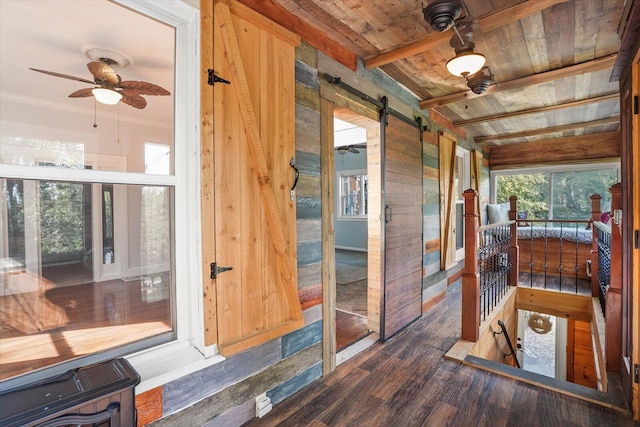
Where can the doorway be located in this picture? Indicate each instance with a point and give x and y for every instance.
(353, 136)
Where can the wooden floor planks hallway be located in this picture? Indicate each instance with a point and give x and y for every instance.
(407, 382)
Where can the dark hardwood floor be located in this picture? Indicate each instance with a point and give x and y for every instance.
(349, 329)
(407, 382)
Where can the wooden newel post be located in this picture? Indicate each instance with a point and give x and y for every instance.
(514, 273)
(470, 276)
(613, 321)
(596, 215)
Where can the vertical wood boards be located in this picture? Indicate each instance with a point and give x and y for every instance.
(634, 180)
(403, 230)
(375, 258)
(476, 179)
(329, 347)
(339, 103)
(207, 174)
(447, 152)
(255, 227)
(584, 369)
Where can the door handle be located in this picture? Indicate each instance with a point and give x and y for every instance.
(296, 175)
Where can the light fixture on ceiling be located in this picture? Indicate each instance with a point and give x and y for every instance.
(467, 61)
(480, 81)
(106, 96)
(443, 14)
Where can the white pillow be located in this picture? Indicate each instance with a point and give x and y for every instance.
(497, 213)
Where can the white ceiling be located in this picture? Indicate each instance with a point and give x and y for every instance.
(54, 34)
(346, 133)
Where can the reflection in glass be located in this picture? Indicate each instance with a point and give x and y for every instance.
(108, 253)
(353, 193)
(56, 302)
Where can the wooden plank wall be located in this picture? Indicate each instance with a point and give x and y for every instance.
(226, 391)
(223, 394)
(494, 347)
(435, 281)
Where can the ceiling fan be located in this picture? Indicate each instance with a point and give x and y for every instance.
(109, 88)
(350, 148)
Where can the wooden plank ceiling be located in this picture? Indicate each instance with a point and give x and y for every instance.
(552, 60)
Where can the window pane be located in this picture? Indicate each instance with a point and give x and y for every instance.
(58, 300)
(532, 191)
(353, 194)
(43, 125)
(571, 192)
(459, 180)
(459, 225)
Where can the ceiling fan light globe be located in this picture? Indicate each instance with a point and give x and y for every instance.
(466, 63)
(106, 96)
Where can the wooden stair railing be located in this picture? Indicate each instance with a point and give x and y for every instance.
(475, 238)
(613, 298)
(613, 321)
(470, 275)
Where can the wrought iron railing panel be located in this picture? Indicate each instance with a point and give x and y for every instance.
(603, 241)
(494, 265)
(564, 267)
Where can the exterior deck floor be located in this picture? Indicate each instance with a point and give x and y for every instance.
(407, 382)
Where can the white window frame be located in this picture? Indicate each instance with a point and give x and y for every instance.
(465, 154)
(340, 177)
(187, 353)
(584, 167)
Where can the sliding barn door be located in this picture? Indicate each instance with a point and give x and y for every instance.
(253, 120)
(403, 225)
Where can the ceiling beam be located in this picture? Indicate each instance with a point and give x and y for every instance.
(514, 13)
(307, 32)
(534, 79)
(604, 146)
(550, 129)
(545, 109)
(486, 23)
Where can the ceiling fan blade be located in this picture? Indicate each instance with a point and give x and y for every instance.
(64, 76)
(102, 71)
(82, 93)
(131, 97)
(352, 149)
(144, 88)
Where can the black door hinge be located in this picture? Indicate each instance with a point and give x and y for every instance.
(636, 239)
(635, 104)
(635, 373)
(388, 213)
(214, 78)
(215, 270)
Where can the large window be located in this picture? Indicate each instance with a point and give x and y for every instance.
(88, 206)
(560, 193)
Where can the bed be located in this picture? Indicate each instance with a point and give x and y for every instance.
(566, 247)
